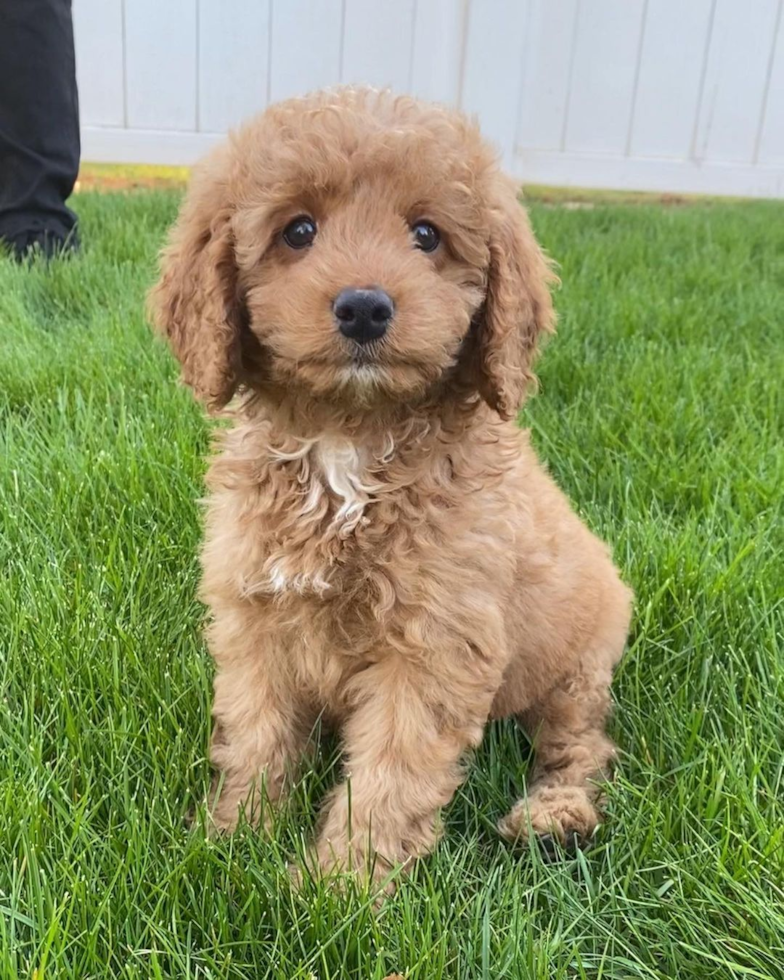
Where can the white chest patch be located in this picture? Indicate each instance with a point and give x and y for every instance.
(331, 467)
(342, 468)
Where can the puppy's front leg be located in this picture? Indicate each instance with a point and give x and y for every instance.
(403, 744)
(261, 725)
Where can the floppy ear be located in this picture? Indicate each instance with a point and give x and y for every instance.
(517, 308)
(195, 302)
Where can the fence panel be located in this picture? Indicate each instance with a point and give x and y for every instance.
(646, 94)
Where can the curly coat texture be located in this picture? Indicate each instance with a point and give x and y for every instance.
(383, 549)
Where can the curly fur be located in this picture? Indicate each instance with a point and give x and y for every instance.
(382, 547)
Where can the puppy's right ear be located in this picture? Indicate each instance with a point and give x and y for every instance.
(195, 302)
(518, 308)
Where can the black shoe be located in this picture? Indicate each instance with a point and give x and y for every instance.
(26, 245)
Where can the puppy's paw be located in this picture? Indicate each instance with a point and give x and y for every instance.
(552, 850)
(204, 819)
(227, 805)
(562, 814)
(347, 865)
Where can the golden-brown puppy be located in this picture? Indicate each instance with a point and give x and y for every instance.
(382, 546)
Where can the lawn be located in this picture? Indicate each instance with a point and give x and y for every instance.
(660, 413)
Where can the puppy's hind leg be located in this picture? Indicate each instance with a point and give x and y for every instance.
(573, 754)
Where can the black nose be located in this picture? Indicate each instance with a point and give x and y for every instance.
(363, 314)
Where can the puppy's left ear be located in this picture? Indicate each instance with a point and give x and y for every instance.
(518, 308)
(195, 302)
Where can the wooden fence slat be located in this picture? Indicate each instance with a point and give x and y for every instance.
(547, 68)
(736, 77)
(493, 68)
(438, 49)
(670, 78)
(771, 142)
(604, 75)
(306, 43)
(160, 64)
(98, 35)
(378, 43)
(233, 61)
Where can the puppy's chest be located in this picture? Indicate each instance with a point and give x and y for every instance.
(316, 506)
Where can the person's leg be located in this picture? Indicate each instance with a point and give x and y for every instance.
(39, 124)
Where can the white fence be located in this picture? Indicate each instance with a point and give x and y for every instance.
(670, 95)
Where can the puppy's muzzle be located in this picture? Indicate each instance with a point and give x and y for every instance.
(363, 315)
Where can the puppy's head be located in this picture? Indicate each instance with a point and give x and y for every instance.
(355, 247)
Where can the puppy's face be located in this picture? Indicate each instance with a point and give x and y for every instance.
(365, 289)
(358, 248)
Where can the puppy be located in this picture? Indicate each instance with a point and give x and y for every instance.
(382, 547)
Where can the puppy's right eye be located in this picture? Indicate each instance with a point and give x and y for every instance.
(426, 236)
(300, 232)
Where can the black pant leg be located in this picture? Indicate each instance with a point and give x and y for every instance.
(39, 116)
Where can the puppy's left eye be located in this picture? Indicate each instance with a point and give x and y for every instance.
(300, 232)
(426, 236)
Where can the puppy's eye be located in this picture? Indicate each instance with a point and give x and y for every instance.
(426, 236)
(300, 232)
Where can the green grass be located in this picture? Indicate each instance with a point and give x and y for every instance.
(660, 413)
